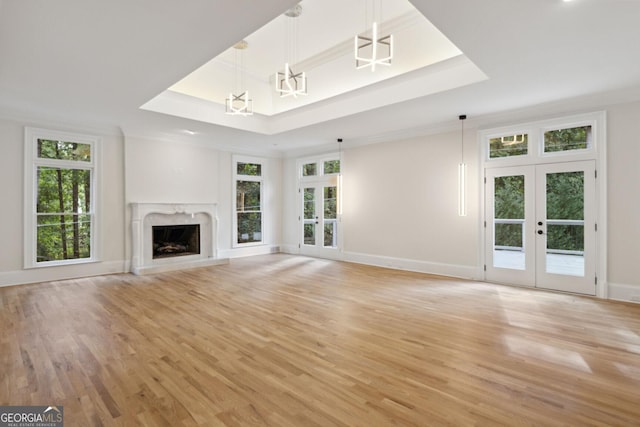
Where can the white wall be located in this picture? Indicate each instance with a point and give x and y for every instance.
(623, 164)
(185, 172)
(400, 205)
(11, 223)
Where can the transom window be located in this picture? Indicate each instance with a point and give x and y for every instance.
(60, 184)
(554, 140)
(509, 145)
(567, 139)
(319, 168)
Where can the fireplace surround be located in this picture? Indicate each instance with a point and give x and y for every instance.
(169, 217)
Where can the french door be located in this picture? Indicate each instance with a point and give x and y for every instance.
(319, 219)
(541, 226)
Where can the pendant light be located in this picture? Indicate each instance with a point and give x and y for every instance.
(374, 50)
(240, 104)
(339, 209)
(462, 173)
(287, 82)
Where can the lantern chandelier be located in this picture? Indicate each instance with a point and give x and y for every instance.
(242, 104)
(289, 83)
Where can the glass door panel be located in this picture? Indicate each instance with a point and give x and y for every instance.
(565, 227)
(508, 222)
(565, 223)
(330, 217)
(310, 217)
(510, 248)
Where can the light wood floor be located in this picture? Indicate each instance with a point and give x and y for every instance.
(291, 341)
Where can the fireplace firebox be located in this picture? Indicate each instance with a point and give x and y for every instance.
(175, 240)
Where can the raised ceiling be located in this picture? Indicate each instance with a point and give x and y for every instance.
(91, 64)
(320, 42)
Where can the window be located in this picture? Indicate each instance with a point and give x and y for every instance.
(509, 145)
(309, 169)
(60, 184)
(248, 195)
(317, 169)
(574, 138)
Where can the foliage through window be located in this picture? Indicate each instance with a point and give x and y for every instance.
(331, 166)
(577, 138)
(63, 185)
(309, 169)
(508, 146)
(248, 202)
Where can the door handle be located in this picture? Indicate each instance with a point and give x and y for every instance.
(540, 232)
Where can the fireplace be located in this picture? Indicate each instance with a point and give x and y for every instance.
(167, 236)
(175, 240)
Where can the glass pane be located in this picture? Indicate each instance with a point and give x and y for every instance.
(565, 223)
(310, 203)
(48, 149)
(252, 169)
(508, 146)
(508, 251)
(330, 211)
(310, 233)
(330, 202)
(247, 196)
(330, 233)
(578, 138)
(63, 190)
(310, 169)
(63, 237)
(331, 166)
(249, 227)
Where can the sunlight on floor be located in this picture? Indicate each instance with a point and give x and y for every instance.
(547, 353)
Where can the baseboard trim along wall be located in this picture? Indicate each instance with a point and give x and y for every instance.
(48, 274)
(450, 270)
(248, 251)
(623, 292)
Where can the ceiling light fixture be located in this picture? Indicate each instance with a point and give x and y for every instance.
(289, 83)
(374, 50)
(242, 104)
(462, 173)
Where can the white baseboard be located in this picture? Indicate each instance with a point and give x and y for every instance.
(451, 270)
(249, 251)
(75, 271)
(290, 249)
(623, 292)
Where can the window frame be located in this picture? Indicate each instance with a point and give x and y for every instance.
(31, 164)
(535, 150)
(234, 197)
(319, 162)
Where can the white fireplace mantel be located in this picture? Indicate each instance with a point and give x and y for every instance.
(145, 215)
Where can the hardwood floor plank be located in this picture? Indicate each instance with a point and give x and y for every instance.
(283, 340)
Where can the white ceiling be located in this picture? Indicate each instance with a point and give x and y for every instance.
(95, 63)
(320, 42)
